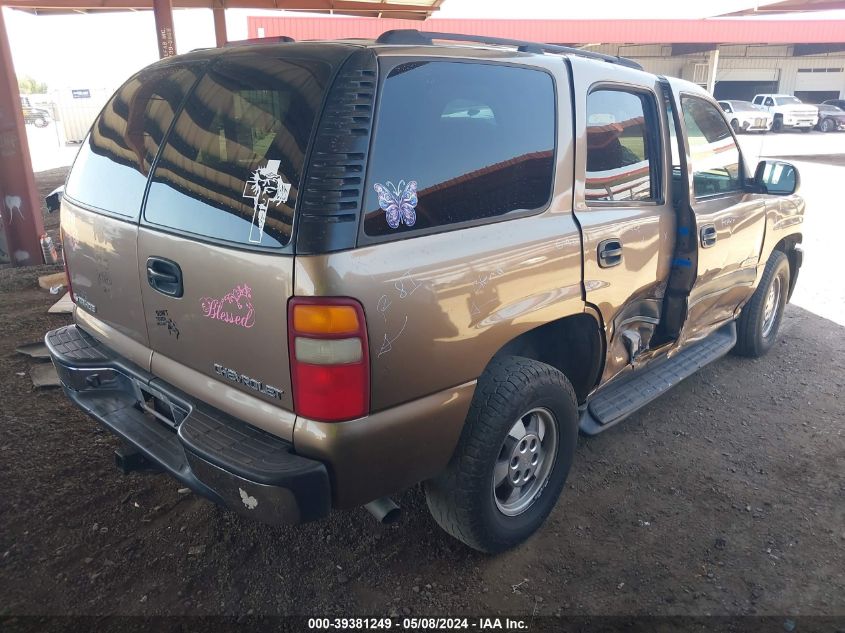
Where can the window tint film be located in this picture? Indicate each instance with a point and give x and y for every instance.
(111, 169)
(232, 164)
(618, 163)
(713, 152)
(457, 142)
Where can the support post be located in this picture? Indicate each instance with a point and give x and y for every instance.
(20, 207)
(713, 64)
(163, 12)
(220, 25)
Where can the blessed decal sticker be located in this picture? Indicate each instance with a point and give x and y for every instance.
(234, 307)
(265, 187)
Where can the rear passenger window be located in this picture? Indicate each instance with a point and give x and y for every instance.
(111, 169)
(713, 152)
(231, 167)
(620, 129)
(458, 142)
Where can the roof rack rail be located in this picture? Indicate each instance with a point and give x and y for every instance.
(276, 39)
(413, 37)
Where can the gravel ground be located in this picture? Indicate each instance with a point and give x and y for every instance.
(725, 496)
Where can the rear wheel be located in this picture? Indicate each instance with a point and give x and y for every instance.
(758, 324)
(777, 125)
(513, 457)
(826, 125)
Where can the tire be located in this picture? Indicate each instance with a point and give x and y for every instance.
(777, 125)
(826, 125)
(464, 500)
(40, 122)
(735, 125)
(756, 333)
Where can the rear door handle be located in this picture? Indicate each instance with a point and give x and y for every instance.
(610, 253)
(165, 276)
(708, 235)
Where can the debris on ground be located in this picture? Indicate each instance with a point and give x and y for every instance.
(34, 350)
(62, 306)
(44, 375)
(48, 281)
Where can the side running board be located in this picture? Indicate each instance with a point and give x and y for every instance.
(620, 399)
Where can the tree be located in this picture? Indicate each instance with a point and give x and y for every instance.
(27, 85)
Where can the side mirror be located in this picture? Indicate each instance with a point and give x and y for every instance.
(776, 177)
(54, 200)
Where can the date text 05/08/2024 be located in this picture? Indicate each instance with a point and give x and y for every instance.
(418, 624)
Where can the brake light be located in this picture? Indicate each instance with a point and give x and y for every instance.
(64, 261)
(329, 358)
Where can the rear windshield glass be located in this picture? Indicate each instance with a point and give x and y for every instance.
(231, 167)
(111, 169)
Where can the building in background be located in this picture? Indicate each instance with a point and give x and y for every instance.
(735, 58)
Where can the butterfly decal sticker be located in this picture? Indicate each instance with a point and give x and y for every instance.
(398, 202)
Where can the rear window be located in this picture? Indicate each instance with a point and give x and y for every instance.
(458, 142)
(111, 169)
(232, 164)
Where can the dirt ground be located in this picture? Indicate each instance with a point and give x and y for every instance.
(726, 496)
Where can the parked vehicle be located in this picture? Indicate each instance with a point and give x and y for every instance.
(333, 270)
(744, 116)
(36, 116)
(831, 118)
(788, 112)
(839, 103)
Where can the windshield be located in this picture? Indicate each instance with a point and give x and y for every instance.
(743, 106)
(787, 100)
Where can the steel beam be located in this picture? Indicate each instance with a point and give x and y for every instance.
(20, 212)
(163, 12)
(219, 14)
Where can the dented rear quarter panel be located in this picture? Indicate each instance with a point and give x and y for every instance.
(439, 306)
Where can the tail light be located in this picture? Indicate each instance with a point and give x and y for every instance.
(329, 358)
(67, 270)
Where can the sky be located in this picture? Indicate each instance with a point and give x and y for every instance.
(101, 50)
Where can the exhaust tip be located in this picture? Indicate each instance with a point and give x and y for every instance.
(384, 510)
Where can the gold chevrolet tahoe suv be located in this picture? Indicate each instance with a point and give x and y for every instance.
(312, 274)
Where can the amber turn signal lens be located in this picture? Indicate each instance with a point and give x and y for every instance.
(323, 319)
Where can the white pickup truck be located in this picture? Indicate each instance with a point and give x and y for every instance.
(788, 111)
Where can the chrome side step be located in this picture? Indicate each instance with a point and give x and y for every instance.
(620, 399)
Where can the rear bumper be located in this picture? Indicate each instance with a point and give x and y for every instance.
(217, 456)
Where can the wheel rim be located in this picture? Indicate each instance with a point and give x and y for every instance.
(770, 309)
(826, 126)
(525, 461)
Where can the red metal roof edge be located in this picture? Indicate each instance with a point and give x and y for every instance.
(712, 30)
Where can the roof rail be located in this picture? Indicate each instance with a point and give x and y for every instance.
(412, 37)
(276, 39)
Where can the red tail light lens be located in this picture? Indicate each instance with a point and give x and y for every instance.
(67, 270)
(329, 358)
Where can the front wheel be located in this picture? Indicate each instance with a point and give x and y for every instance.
(735, 126)
(826, 126)
(758, 324)
(513, 456)
(41, 122)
